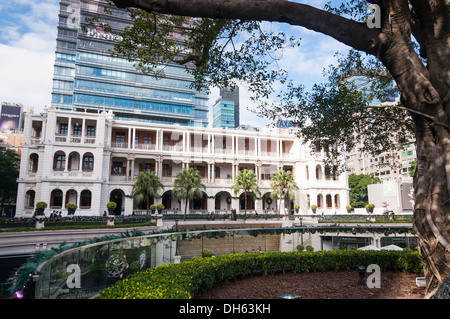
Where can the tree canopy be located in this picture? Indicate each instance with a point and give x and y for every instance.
(9, 172)
(188, 186)
(359, 197)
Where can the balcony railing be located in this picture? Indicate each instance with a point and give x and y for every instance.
(199, 149)
(75, 138)
(268, 154)
(89, 139)
(115, 144)
(60, 137)
(223, 151)
(145, 146)
(246, 152)
(35, 141)
(175, 148)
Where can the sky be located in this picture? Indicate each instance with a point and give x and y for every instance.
(27, 52)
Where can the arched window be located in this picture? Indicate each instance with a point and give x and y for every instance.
(319, 201)
(29, 198)
(328, 201)
(86, 199)
(71, 196)
(33, 163)
(327, 173)
(318, 172)
(307, 173)
(88, 162)
(74, 161)
(56, 198)
(59, 161)
(337, 201)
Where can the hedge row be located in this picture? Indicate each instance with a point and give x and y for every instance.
(184, 280)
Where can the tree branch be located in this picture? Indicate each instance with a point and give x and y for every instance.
(349, 32)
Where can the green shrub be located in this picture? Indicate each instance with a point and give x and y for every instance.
(111, 205)
(41, 205)
(207, 253)
(309, 248)
(70, 206)
(184, 280)
(300, 248)
(160, 207)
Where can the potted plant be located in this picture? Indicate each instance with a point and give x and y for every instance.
(313, 208)
(370, 207)
(349, 208)
(40, 208)
(71, 208)
(296, 208)
(111, 207)
(153, 208)
(160, 208)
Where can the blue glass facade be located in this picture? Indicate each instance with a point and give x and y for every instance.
(223, 114)
(87, 77)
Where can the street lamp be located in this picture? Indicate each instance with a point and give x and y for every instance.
(362, 273)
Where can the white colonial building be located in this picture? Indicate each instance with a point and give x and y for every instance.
(90, 159)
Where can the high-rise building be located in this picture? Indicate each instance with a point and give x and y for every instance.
(223, 114)
(226, 109)
(87, 77)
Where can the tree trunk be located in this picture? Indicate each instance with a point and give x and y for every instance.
(245, 205)
(432, 204)
(279, 206)
(185, 207)
(425, 93)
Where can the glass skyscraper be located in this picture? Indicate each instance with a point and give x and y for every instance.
(88, 77)
(223, 114)
(226, 109)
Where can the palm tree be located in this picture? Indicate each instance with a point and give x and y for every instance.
(283, 185)
(188, 186)
(146, 185)
(246, 180)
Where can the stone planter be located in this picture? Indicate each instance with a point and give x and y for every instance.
(40, 221)
(110, 220)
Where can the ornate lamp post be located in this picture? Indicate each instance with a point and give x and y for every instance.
(362, 273)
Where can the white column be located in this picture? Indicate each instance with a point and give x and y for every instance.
(69, 130)
(83, 129)
(209, 144)
(233, 145)
(129, 137)
(127, 170)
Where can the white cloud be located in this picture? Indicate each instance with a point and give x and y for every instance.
(27, 52)
(26, 76)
